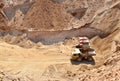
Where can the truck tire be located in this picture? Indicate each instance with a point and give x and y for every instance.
(79, 59)
(90, 58)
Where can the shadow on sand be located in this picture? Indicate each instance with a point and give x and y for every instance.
(73, 62)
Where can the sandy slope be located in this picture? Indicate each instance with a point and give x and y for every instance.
(14, 59)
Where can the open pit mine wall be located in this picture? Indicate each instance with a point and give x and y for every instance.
(51, 37)
(57, 36)
(10, 11)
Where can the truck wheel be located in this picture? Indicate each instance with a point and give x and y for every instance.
(79, 59)
(90, 58)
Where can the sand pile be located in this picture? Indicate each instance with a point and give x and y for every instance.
(47, 16)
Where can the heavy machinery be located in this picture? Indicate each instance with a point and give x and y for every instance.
(83, 50)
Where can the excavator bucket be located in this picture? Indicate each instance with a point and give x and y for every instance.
(9, 12)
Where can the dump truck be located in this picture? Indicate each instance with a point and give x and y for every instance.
(83, 50)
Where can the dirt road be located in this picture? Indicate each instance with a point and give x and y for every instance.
(14, 58)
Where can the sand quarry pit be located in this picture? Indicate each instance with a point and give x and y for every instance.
(52, 62)
(36, 46)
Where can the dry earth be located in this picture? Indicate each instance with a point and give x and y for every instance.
(22, 59)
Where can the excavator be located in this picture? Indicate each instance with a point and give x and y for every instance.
(83, 50)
